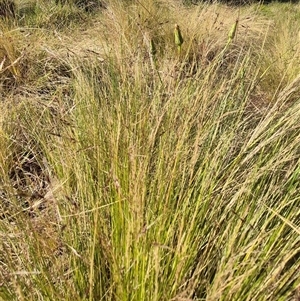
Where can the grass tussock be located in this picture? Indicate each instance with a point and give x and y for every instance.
(139, 167)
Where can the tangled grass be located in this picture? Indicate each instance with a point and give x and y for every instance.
(134, 171)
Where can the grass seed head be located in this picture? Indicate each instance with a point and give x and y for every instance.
(178, 37)
(232, 32)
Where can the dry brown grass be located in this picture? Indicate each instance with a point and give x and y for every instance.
(128, 174)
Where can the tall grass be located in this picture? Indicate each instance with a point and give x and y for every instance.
(128, 174)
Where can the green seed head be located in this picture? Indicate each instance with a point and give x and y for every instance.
(178, 36)
(232, 31)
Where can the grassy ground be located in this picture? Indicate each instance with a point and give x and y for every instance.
(134, 170)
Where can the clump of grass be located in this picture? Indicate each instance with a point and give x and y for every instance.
(11, 57)
(7, 9)
(282, 47)
(163, 185)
